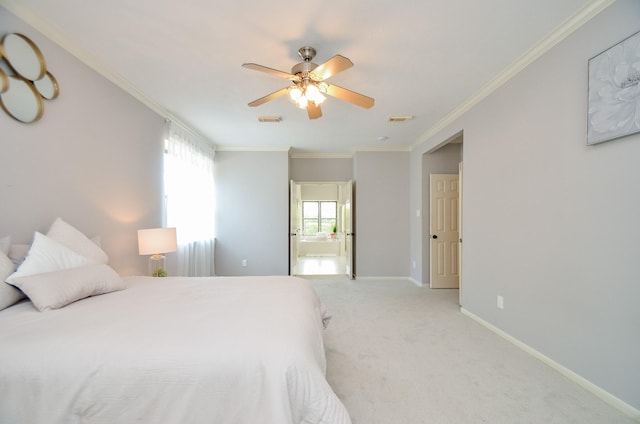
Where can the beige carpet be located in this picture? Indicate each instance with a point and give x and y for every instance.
(401, 354)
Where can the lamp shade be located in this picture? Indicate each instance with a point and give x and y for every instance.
(153, 241)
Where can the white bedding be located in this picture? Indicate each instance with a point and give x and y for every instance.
(171, 350)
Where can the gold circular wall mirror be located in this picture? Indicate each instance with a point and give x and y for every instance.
(23, 56)
(22, 101)
(47, 86)
(4, 81)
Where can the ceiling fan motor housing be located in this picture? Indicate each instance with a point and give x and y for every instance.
(307, 53)
(303, 67)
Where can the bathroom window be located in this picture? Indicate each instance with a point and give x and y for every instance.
(319, 217)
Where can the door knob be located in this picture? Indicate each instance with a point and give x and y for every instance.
(434, 236)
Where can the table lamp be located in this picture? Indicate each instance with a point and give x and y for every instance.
(156, 242)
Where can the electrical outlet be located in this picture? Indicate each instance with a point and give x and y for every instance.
(414, 264)
(244, 262)
(500, 302)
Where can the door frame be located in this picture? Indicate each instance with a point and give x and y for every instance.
(293, 226)
(345, 196)
(460, 197)
(432, 163)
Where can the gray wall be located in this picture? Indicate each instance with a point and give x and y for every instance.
(252, 213)
(94, 159)
(381, 214)
(550, 223)
(321, 169)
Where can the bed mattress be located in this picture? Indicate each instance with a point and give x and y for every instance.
(171, 350)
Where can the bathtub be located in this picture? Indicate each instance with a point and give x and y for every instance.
(319, 246)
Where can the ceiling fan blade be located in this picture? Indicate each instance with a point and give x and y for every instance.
(331, 67)
(271, 71)
(269, 97)
(313, 110)
(350, 96)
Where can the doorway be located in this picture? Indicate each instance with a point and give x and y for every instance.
(320, 229)
(444, 159)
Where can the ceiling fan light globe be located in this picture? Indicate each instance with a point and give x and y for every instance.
(313, 94)
(295, 93)
(318, 99)
(297, 96)
(301, 102)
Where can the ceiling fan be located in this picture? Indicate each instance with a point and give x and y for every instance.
(308, 86)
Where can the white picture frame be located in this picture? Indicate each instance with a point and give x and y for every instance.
(613, 108)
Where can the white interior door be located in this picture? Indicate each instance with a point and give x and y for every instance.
(460, 197)
(295, 224)
(443, 231)
(348, 229)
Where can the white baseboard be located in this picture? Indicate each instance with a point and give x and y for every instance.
(576, 378)
(405, 278)
(416, 282)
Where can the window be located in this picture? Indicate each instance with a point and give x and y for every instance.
(190, 199)
(319, 217)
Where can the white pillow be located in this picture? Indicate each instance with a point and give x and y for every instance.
(73, 238)
(5, 243)
(54, 290)
(7, 266)
(17, 253)
(8, 294)
(46, 255)
(97, 240)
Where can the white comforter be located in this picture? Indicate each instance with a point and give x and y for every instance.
(171, 350)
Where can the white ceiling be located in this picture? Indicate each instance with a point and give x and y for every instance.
(426, 58)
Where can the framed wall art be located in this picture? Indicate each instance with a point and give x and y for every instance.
(614, 92)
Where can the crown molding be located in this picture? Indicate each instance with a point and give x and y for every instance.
(582, 16)
(336, 155)
(383, 149)
(319, 155)
(54, 34)
(222, 148)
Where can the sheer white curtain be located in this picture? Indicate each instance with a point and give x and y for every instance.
(190, 199)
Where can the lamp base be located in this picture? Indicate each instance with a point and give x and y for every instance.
(156, 266)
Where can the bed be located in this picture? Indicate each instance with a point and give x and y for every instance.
(167, 350)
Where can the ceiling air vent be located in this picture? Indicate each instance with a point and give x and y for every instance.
(269, 118)
(400, 118)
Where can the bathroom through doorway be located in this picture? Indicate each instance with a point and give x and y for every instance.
(321, 231)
